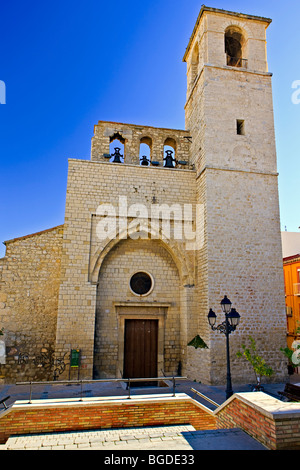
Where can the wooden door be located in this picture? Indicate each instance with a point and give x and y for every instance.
(140, 348)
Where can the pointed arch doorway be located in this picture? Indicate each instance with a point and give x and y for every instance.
(117, 301)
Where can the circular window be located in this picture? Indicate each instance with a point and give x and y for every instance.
(141, 283)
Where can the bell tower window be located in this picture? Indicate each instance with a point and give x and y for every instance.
(195, 63)
(234, 47)
(240, 127)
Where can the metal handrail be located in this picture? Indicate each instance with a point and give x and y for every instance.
(237, 61)
(83, 381)
(205, 397)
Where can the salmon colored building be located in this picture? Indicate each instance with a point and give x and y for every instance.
(291, 267)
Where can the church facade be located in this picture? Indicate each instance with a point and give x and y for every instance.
(151, 242)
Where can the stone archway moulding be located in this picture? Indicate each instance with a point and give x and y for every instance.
(179, 255)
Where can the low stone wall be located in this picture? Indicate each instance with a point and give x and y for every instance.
(98, 413)
(274, 423)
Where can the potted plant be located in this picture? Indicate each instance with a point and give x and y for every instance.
(259, 365)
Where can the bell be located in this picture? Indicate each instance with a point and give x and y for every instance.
(144, 161)
(117, 156)
(169, 159)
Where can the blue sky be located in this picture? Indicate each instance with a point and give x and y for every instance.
(67, 64)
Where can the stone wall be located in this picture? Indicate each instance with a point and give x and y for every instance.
(245, 263)
(132, 136)
(91, 184)
(29, 284)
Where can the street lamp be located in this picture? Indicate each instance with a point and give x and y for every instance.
(232, 319)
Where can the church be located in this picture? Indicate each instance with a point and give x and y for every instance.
(160, 224)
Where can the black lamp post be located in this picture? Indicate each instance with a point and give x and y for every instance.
(232, 319)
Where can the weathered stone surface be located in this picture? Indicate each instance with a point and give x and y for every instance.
(29, 284)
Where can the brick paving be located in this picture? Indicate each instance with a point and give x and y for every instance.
(168, 437)
(179, 438)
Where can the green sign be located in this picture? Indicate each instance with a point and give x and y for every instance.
(75, 356)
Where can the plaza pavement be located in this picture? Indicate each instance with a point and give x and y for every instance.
(164, 438)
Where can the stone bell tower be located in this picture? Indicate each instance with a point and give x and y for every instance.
(229, 114)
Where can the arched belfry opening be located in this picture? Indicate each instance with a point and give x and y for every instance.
(117, 148)
(195, 63)
(145, 151)
(235, 47)
(170, 148)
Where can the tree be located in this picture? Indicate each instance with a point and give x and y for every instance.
(259, 365)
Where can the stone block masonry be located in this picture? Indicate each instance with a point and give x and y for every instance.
(237, 182)
(29, 285)
(133, 136)
(92, 282)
